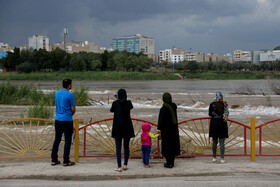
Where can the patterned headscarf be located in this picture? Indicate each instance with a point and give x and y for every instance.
(167, 101)
(219, 98)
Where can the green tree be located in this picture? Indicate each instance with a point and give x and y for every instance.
(25, 67)
(203, 66)
(104, 60)
(43, 60)
(119, 60)
(131, 63)
(192, 66)
(144, 63)
(12, 60)
(77, 62)
(57, 57)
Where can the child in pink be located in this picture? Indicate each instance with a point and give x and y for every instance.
(146, 143)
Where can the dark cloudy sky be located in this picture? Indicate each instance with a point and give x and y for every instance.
(218, 26)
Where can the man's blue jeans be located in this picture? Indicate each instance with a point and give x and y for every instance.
(65, 127)
(119, 150)
(146, 150)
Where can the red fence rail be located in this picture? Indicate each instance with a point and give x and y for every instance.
(194, 137)
(97, 141)
(197, 130)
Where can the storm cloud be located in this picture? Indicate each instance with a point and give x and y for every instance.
(216, 26)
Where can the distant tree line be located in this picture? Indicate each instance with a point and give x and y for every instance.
(41, 60)
(194, 66)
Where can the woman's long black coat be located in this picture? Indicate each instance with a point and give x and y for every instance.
(218, 126)
(122, 124)
(170, 142)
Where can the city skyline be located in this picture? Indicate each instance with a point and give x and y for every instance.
(208, 26)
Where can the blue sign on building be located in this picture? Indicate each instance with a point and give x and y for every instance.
(3, 54)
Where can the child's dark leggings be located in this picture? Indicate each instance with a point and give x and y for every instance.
(146, 150)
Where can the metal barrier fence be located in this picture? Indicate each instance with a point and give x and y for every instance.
(269, 138)
(96, 140)
(33, 138)
(195, 140)
(29, 137)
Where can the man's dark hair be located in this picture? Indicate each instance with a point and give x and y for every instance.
(66, 82)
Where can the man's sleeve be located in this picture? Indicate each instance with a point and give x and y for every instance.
(72, 100)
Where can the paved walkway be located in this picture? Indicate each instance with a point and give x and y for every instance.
(103, 168)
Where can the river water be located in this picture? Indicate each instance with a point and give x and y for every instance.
(187, 86)
(192, 97)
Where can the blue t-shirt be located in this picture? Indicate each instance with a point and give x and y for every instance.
(64, 100)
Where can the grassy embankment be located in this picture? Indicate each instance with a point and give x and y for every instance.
(89, 75)
(153, 74)
(40, 103)
(231, 75)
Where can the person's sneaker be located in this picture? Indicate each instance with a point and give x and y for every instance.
(147, 166)
(223, 161)
(215, 160)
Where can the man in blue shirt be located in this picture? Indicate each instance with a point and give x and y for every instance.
(65, 109)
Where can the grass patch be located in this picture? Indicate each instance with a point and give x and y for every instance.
(40, 111)
(27, 95)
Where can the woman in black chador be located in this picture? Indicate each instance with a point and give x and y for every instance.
(168, 127)
(122, 127)
(219, 111)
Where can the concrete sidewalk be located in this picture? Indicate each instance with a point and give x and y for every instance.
(103, 168)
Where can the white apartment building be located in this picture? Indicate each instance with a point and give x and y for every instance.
(39, 42)
(190, 56)
(172, 55)
(4, 46)
(165, 55)
(177, 55)
(175, 58)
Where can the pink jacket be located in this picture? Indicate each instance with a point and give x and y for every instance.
(146, 140)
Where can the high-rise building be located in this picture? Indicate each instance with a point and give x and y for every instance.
(39, 42)
(134, 44)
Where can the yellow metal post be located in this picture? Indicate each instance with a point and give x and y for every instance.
(76, 124)
(253, 140)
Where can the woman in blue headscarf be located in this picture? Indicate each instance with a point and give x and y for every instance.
(219, 111)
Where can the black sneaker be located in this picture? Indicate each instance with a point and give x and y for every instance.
(168, 166)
